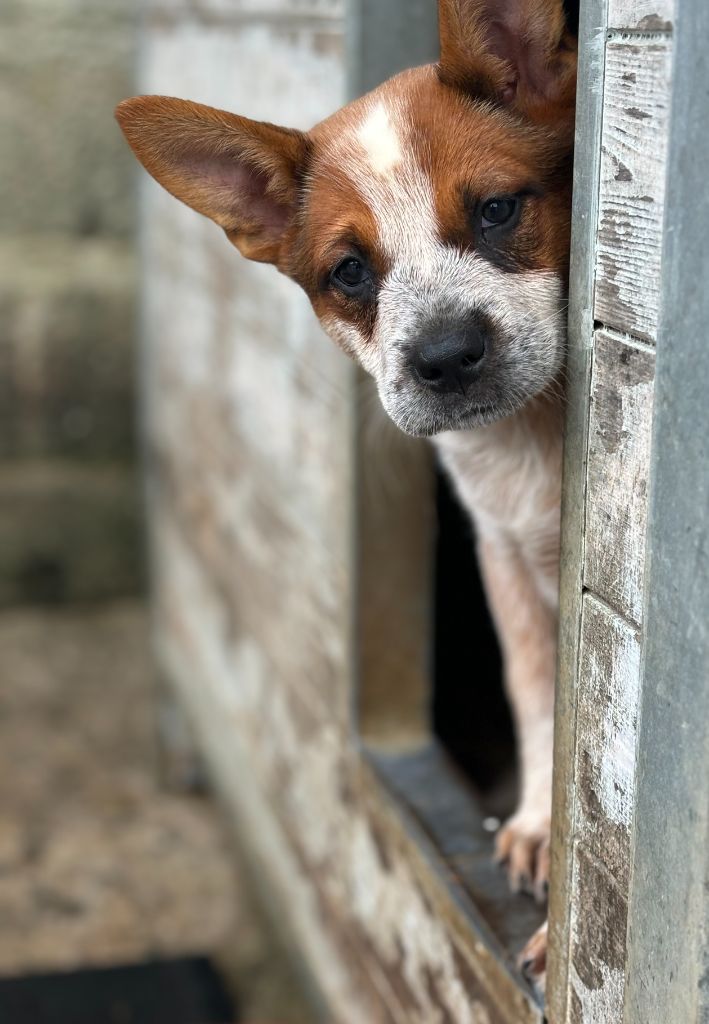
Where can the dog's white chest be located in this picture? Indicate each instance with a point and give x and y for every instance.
(507, 476)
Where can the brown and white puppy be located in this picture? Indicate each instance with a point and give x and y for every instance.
(428, 223)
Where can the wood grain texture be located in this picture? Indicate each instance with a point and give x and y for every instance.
(668, 954)
(632, 186)
(624, 244)
(600, 913)
(641, 15)
(427, 783)
(254, 482)
(380, 928)
(580, 336)
(609, 684)
(618, 468)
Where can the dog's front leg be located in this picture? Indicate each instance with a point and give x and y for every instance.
(526, 628)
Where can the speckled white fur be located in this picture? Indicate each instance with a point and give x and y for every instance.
(429, 279)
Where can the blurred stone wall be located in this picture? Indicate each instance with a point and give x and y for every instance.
(69, 494)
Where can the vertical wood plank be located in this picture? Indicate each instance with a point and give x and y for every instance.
(668, 963)
(585, 215)
(254, 495)
(609, 684)
(618, 466)
(597, 977)
(641, 15)
(632, 186)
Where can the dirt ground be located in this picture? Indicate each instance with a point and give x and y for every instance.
(99, 863)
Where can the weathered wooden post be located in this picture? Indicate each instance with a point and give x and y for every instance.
(292, 589)
(290, 601)
(632, 737)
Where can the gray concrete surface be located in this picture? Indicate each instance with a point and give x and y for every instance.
(68, 214)
(64, 167)
(99, 864)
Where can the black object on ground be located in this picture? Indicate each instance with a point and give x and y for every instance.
(184, 991)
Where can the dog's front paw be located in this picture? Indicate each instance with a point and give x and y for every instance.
(533, 959)
(522, 844)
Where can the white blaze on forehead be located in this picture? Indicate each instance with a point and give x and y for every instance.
(380, 140)
(428, 279)
(381, 166)
(399, 193)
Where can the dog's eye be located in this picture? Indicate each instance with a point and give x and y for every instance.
(351, 276)
(350, 272)
(498, 211)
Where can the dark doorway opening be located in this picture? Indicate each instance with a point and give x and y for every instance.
(470, 713)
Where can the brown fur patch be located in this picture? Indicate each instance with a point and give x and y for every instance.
(334, 224)
(468, 149)
(242, 174)
(513, 52)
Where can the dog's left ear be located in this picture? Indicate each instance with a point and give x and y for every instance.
(243, 174)
(515, 52)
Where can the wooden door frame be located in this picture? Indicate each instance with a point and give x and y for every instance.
(668, 963)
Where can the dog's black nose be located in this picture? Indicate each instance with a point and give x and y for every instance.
(448, 360)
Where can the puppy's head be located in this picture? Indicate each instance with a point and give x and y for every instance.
(428, 222)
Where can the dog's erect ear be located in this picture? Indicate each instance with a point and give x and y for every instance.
(241, 173)
(516, 52)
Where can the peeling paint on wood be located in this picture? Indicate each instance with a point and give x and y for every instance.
(253, 502)
(347, 843)
(618, 467)
(600, 702)
(597, 945)
(609, 681)
(253, 499)
(641, 15)
(668, 922)
(632, 186)
(585, 208)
